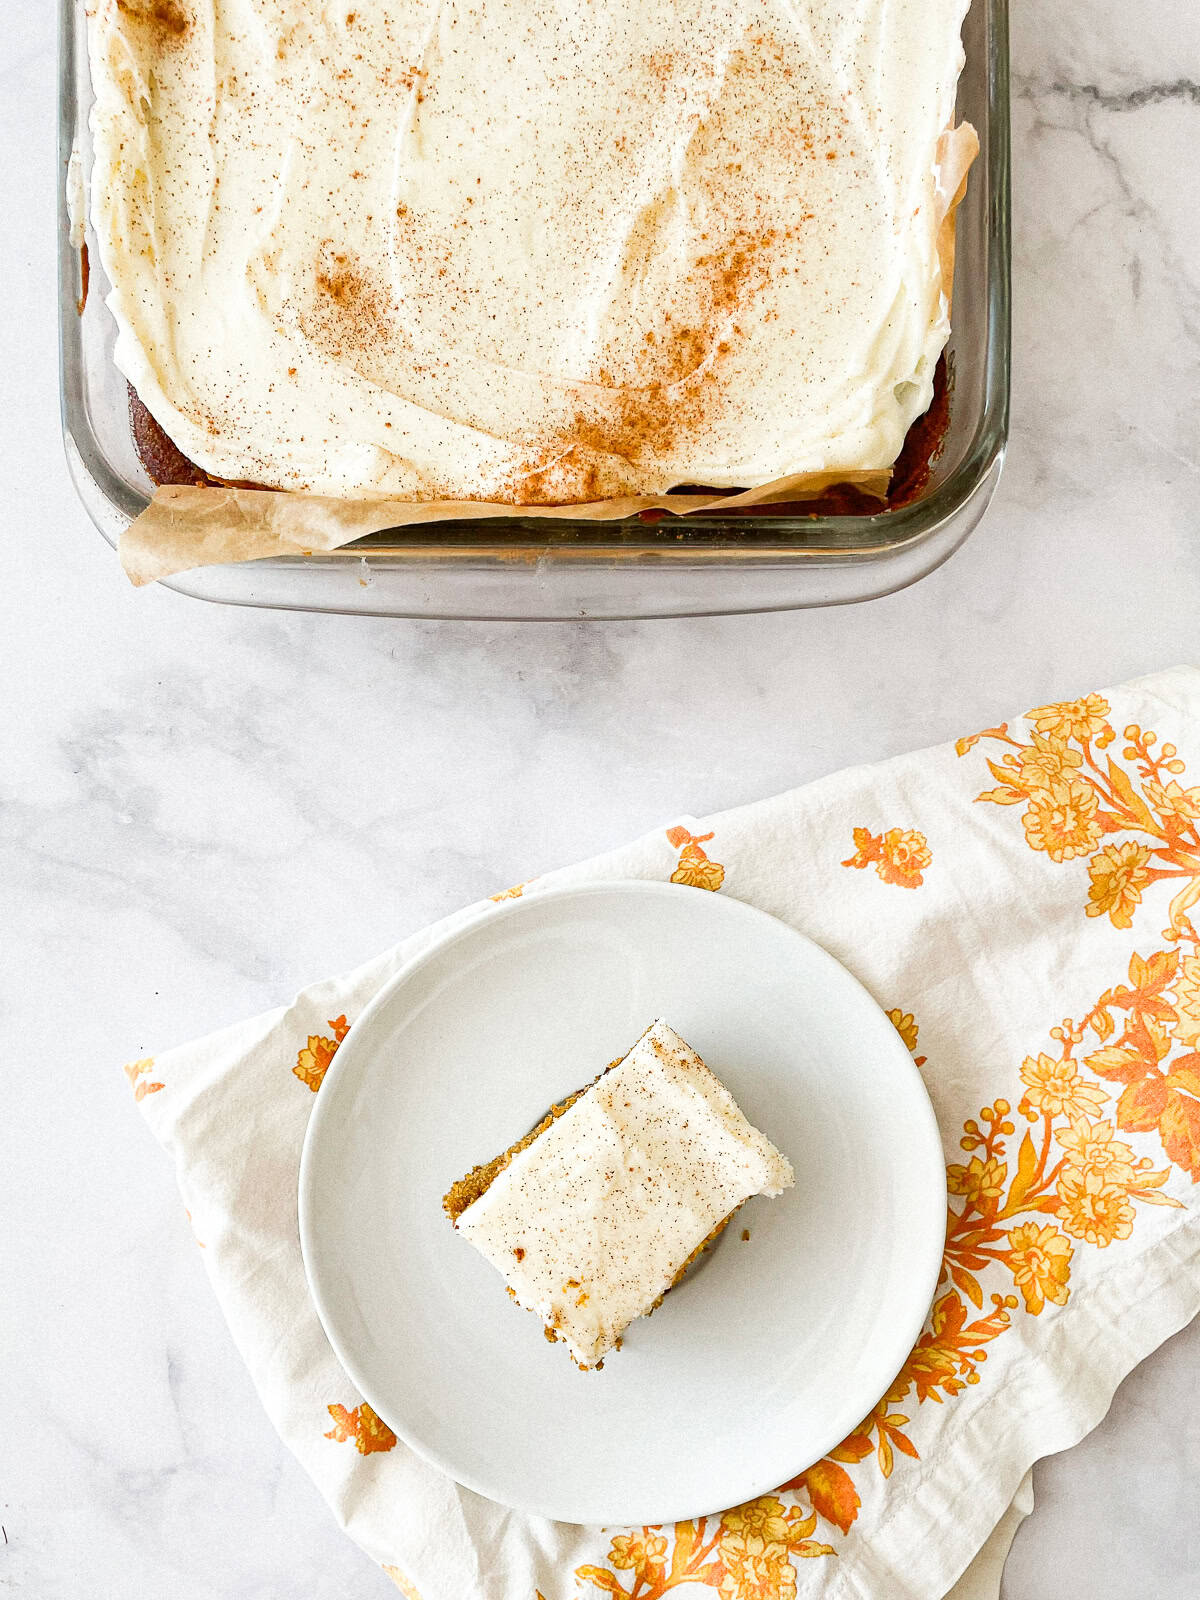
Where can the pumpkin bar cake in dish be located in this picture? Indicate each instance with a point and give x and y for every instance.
(525, 252)
(594, 1215)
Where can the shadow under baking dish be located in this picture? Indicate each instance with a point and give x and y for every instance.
(523, 568)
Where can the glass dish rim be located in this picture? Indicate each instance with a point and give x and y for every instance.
(699, 538)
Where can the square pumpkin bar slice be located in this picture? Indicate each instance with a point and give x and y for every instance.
(593, 1216)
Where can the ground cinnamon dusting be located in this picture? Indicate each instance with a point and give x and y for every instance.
(165, 16)
(704, 178)
(354, 306)
(165, 463)
(634, 423)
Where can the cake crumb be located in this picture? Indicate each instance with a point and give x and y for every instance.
(745, 1233)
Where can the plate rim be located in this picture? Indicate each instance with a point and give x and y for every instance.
(324, 1108)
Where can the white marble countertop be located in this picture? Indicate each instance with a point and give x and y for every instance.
(202, 808)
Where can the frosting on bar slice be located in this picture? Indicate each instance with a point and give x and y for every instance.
(592, 1221)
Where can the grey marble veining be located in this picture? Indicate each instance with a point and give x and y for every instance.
(201, 809)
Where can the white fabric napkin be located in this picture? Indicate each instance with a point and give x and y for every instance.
(1020, 903)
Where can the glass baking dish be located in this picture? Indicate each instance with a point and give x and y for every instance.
(525, 568)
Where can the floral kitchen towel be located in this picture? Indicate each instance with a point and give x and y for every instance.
(1021, 903)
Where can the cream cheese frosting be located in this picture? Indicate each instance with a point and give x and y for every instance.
(590, 1223)
(524, 251)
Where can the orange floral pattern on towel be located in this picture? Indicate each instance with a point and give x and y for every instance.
(361, 1427)
(405, 1584)
(1021, 1205)
(313, 1061)
(137, 1072)
(1073, 1184)
(694, 867)
(900, 856)
(515, 893)
(1075, 796)
(1159, 1008)
(746, 1554)
(906, 1026)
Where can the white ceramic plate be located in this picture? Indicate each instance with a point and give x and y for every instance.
(770, 1351)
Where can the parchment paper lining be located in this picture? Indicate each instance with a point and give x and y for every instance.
(186, 526)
